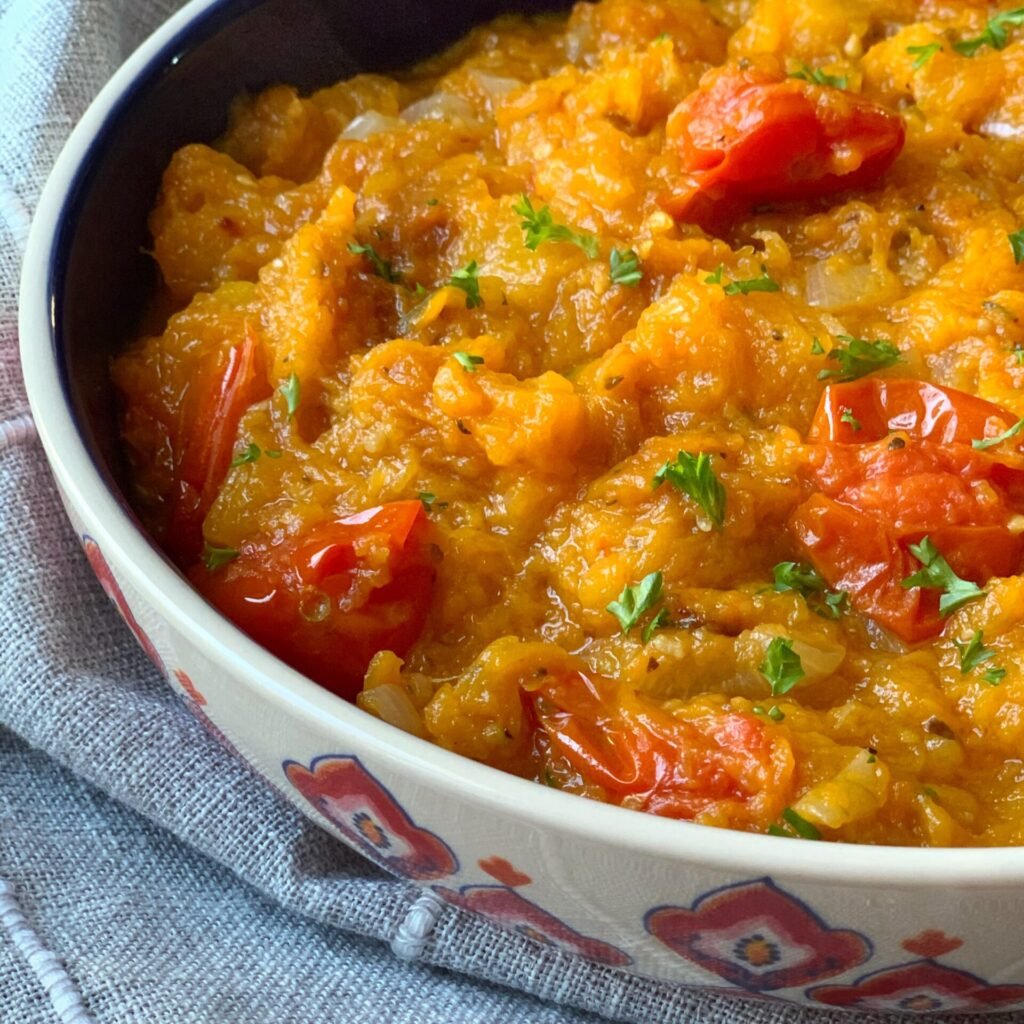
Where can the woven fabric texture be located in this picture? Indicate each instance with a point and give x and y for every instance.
(177, 888)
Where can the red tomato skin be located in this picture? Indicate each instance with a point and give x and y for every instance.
(277, 593)
(884, 406)
(748, 136)
(209, 444)
(663, 765)
(876, 499)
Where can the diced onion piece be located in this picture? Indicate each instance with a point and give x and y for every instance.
(818, 662)
(495, 86)
(392, 704)
(370, 123)
(856, 792)
(439, 106)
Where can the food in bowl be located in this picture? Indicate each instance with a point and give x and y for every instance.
(627, 400)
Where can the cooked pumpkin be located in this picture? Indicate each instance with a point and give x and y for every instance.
(630, 400)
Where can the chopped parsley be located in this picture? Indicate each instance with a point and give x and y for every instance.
(817, 349)
(466, 280)
(625, 268)
(994, 33)
(694, 477)
(973, 652)
(1018, 354)
(924, 53)
(636, 600)
(781, 666)
(754, 284)
(1017, 245)
(251, 453)
(810, 584)
(989, 442)
(659, 620)
(540, 227)
(859, 356)
(848, 417)
(994, 676)
(715, 277)
(794, 827)
(937, 575)
(214, 557)
(429, 500)
(818, 77)
(467, 361)
(381, 266)
(291, 391)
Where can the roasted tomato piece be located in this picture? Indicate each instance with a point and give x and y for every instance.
(753, 135)
(724, 764)
(206, 455)
(328, 600)
(883, 406)
(907, 471)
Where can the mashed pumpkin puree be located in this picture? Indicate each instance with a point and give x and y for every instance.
(627, 399)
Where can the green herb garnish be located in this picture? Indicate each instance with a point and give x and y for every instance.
(291, 389)
(817, 349)
(994, 676)
(781, 666)
(937, 575)
(715, 277)
(809, 584)
(924, 53)
(973, 652)
(466, 280)
(625, 268)
(775, 713)
(988, 442)
(540, 227)
(381, 266)
(1017, 245)
(694, 477)
(848, 417)
(251, 453)
(795, 827)
(467, 361)
(754, 284)
(994, 33)
(656, 623)
(214, 557)
(859, 356)
(636, 600)
(818, 77)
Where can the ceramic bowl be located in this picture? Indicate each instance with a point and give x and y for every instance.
(821, 925)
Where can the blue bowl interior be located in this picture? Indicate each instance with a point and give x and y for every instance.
(100, 275)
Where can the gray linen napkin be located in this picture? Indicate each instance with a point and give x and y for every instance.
(174, 886)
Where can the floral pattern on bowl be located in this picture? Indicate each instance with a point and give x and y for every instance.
(923, 986)
(758, 937)
(363, 810)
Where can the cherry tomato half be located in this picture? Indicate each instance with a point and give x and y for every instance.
(328, 600)
(209, 443)
(753, 135)
(640, 754)
(906, 471)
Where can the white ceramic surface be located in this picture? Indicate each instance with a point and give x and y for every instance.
(822, 925)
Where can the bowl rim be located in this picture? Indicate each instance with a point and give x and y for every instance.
(154, 579)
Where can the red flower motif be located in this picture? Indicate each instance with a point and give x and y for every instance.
(920, 987)
(189, 687)
(511, 910)
(352, 800)
(499, 868)
(757, 937)
(113, 591)
(931, 943)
